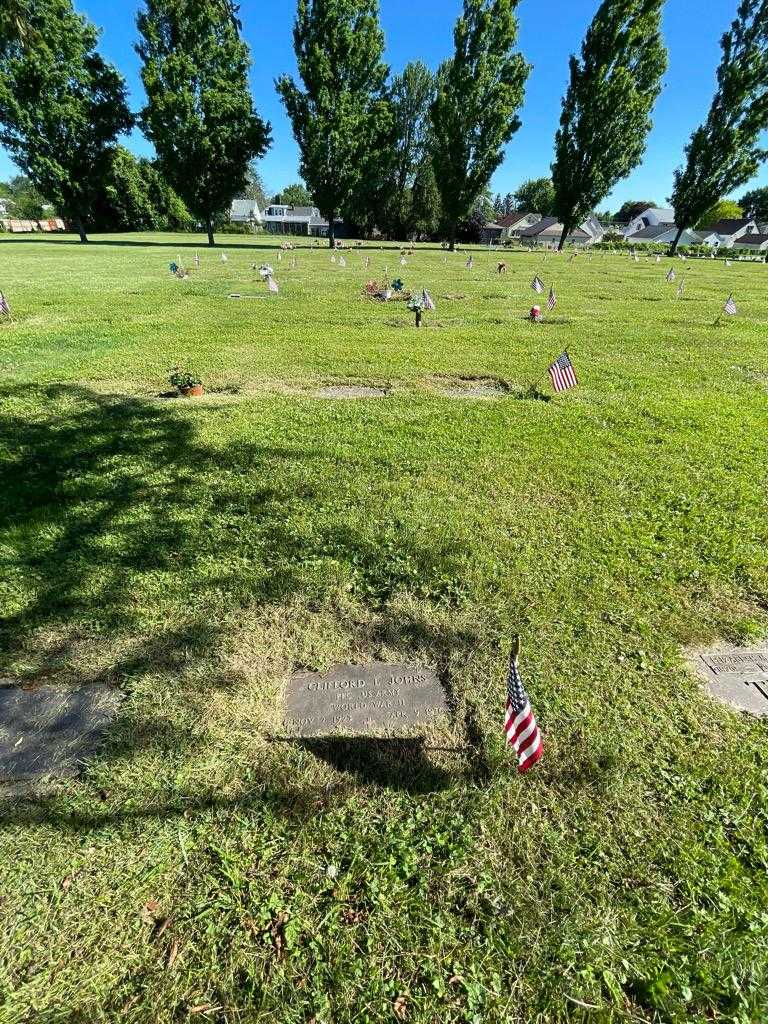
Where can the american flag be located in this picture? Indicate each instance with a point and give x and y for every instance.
(426, 300)
(537, 284)
(562, 373)
(197, 260)
(272, 285)
(681, 289)
(342, 261)
(470, 263)
(730, 306)
(224, 257)
(5, 309)
(658, 259)
(671, 275)
(520, 726)
(552, 300)
(333, 259)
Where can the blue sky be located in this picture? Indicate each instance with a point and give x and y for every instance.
(422, 29)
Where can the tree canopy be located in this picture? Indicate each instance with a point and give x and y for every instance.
(340, 118)
(62, 107)
(725, 209)
(199, 112)
(725, 151)
(474, 114)
(755, 203)
(294, 195)
(537, 195)
(606, 111)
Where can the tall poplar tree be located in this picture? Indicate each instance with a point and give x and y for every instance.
(474, 114)
(341, 119)
(199, 112)
(605, 118)
(725, 151)
(61, 107)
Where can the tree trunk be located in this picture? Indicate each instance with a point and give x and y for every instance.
(676, 242)
(209, 229)
(566, 232)
(81, 230)
(331, 230)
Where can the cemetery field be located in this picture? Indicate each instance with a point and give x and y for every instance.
(193, 553)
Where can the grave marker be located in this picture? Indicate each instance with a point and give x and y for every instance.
(376, 700)
(737, 676)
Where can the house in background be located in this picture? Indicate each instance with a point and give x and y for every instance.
(548, 230)
(649, 218)
(755, 242)
(509, 226)
(297, 220)
(662, 234)
(245, 211)
(727, 233)
(5, 205)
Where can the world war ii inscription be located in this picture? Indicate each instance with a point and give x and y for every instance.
(376, 700)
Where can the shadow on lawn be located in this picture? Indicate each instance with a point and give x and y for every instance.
(102, 496)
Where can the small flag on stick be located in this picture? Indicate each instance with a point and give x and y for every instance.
(342, 261)
(197, 260)
(537, 284)
(224, 257)
(426, 300)
(562, 373)
(681, 288)
(552, 300)
(272, 285)
(730, 306)
(520, 728)
(5, 309)
(470, 263)
(670, 276)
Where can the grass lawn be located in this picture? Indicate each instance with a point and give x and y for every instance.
(196, 552)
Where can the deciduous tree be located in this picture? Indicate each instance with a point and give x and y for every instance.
(294, 195)
(199, 112)
(474, 114)
(536, 196)
(605, 118)
(755, 204)
(726, 209)
(341, 118)
(725, 151)
(61, 108)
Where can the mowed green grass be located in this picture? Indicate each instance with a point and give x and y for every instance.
(196, 552)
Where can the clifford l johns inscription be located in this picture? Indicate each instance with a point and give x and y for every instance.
(353, 701)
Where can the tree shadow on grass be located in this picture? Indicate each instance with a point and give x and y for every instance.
(101, 506)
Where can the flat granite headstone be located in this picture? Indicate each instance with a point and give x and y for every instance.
(50, 730)
(738, 676)
(372, 701)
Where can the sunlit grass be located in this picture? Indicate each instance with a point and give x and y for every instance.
(195, 552)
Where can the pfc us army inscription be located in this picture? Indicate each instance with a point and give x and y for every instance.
(377, 700)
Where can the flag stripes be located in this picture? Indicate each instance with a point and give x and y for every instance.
(562, 373)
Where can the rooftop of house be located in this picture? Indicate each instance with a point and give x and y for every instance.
(727, 226)
(756, 239)
(510, 219)
(550, 226)
(654, 231)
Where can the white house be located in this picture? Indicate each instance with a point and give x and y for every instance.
(662, 234)
(245, 211)
(509, 226)
(5, 205)
(280, 219)
(727, 233)
(649, 218)
(755, 242)
(548, 230)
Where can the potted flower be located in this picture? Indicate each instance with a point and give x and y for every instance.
(186, 383)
